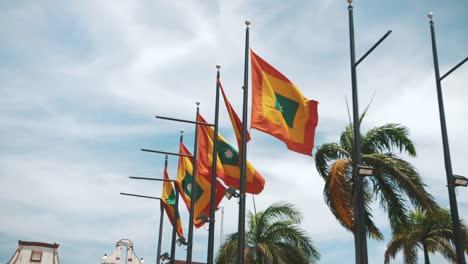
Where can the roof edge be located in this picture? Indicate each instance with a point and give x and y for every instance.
(39, 244)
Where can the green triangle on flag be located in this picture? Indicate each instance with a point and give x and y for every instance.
(287, 107)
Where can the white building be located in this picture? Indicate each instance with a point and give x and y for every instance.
(122, 256)
(35, 253)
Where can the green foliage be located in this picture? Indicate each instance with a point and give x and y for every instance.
(394, 183)
(430, 231)
(273, 237)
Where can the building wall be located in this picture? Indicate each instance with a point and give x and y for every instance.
(23, 255)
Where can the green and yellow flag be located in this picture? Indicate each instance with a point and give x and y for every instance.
(280, 109)
(203, 189)
(228, 168)
(168, 200)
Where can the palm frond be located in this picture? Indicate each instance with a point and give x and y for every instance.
(338, 193)
(386, 138)
(327, 153)
(405, 177)
(274, 237)
(393, 247)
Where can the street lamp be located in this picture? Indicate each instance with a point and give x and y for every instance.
(181, 241)
(230, 192)
(451, 183)
(203, 218)
(360, 239)
(164, 256)
(365, 170)
(460, 180)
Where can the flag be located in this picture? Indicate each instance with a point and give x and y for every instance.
(229, 158)
(168, 200)
(203, 189)
(280, 109)
(236, 122)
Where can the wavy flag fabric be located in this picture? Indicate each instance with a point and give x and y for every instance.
(203, 189)
(168, 200)
(280, 109)
(228, 158)
(235, 120)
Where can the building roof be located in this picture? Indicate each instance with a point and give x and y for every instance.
(39, 244)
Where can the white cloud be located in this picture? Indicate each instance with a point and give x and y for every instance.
(83, 80)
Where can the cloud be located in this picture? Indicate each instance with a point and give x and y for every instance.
(82, 81)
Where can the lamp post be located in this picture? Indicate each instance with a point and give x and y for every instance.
(451, 179)
(359, 209)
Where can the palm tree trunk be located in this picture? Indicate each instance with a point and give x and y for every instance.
(426, 254)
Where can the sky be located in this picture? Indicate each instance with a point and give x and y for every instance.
(81, 82)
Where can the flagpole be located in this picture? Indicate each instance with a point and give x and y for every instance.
(241, 231)
(161, 221)
(174, 225)
(213, 174)
(193, 191)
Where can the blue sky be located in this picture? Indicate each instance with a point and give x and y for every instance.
(81, 82)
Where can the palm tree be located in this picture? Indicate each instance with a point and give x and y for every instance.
(274, 236)
(393, 181)
(431, 231)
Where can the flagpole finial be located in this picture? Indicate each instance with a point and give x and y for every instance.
(247, 23)
(218, 66)
(430, 15)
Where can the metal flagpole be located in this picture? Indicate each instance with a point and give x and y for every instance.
(193, 191)
(458, 236)
(213, 175)
(177, 217)
(161, 221)
(174, 227)
(221, 228)
(241, 231)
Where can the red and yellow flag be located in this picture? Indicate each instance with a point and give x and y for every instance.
(280, 109)
(228, 161)
(236, 122)
(168, 199)
(203, 189)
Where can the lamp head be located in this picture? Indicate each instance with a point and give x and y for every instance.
(181, 241)
(230, 192)
(460, 180)
(164, 256)
(363, 170)
(203, 218)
